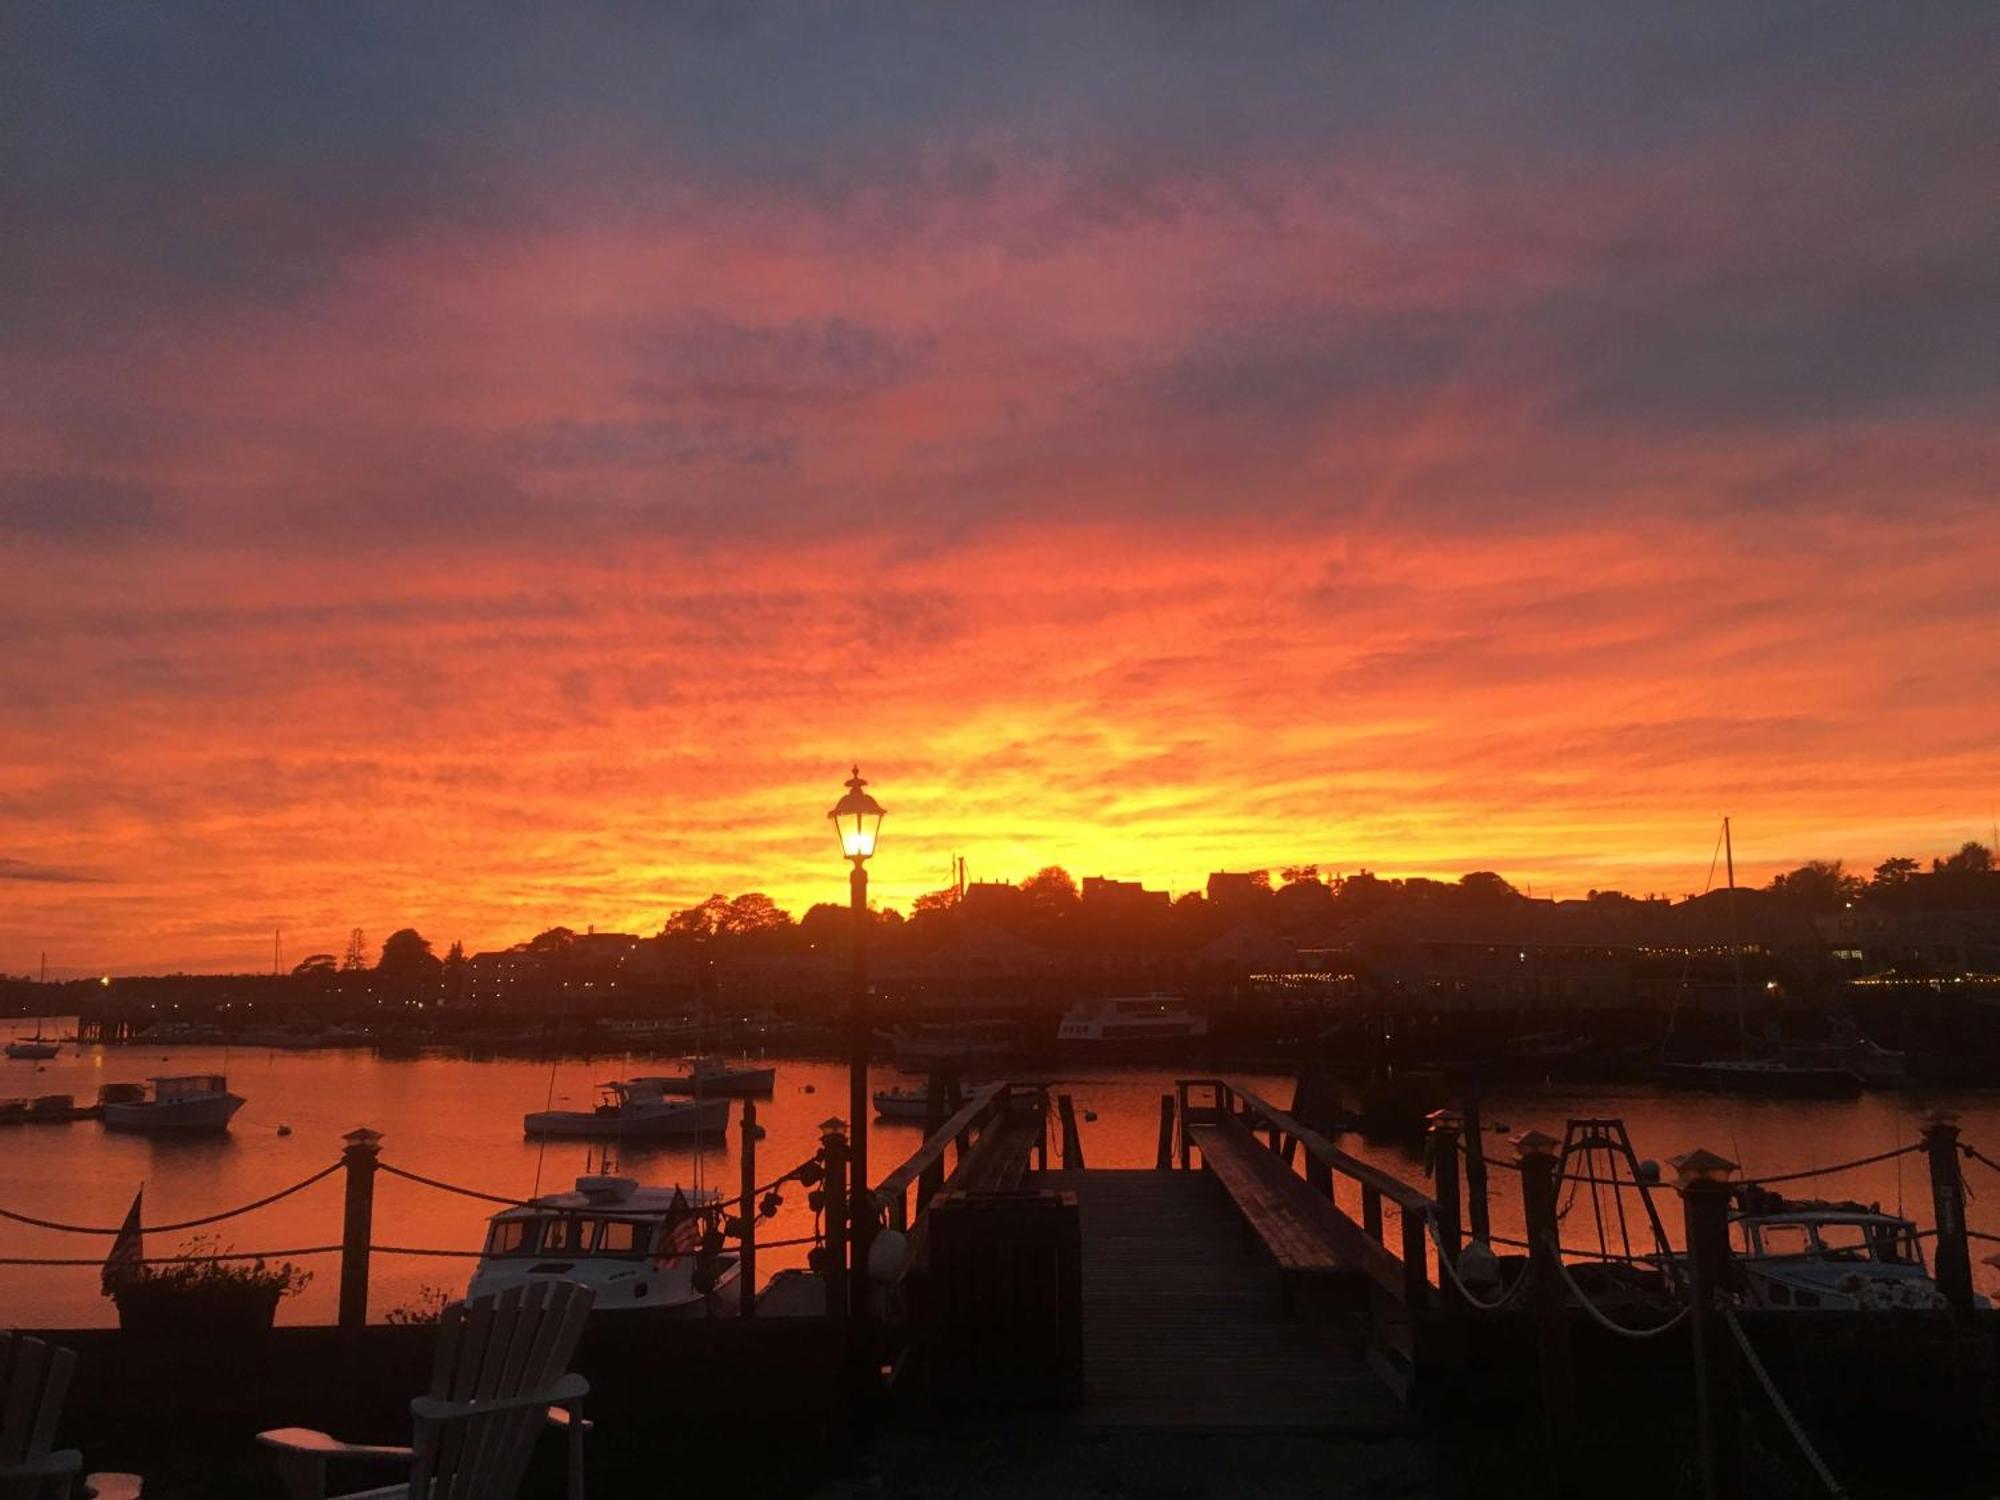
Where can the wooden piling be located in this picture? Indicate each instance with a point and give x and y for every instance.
(1951, 1261)
(1537, 1153)
(1474, 1136)
(357, 1228)
(930, 1181)
(747, 1256)
(1165, 1160)
(1705, 1194)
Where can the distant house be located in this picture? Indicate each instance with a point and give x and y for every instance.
(1117, 898)
(1237, 892)
(990, 900)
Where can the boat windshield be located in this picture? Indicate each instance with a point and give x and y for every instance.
(570, 1234)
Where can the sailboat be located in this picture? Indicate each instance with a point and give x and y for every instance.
(37, 1048)
(1743, 1074)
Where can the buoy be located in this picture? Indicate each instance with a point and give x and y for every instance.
(888, 1257)
(284, 1130)
(1648, 1171)
(756, 1132)
(1090, 1116)
(810, 1089)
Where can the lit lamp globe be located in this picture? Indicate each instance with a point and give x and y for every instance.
(856, 819)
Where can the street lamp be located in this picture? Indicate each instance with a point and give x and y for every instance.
(856, 819)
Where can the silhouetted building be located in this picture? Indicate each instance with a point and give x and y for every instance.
(1121, 897)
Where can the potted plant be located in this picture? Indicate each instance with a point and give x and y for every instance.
(197, 1295)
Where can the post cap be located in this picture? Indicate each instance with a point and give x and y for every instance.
(1534, 1143)
(1702, 1165)
(1446, 1119)
(362, 1137)
(1941, 1119)
(834, 1126)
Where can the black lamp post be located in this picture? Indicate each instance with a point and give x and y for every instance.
(857, 818)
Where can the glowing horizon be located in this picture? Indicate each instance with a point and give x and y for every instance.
(509, 488)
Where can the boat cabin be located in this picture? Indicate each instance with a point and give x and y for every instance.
(188, 1086)
(608, 1218)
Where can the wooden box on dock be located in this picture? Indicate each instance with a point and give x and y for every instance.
(1006, 1297)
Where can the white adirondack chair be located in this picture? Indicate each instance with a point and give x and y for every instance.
(501, 1375)
(33, 1381)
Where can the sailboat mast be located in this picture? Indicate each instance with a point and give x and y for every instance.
(1735, 947)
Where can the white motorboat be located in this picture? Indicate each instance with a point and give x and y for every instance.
(635, 1110)
(1125, 1020)
(904, 1104)
(190, 1104)
(1816, 1254)
(638, 1248)
(715, 1075)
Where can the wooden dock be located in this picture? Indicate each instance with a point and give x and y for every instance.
(1186, 1324)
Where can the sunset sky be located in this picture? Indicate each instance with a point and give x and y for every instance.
(478, 471)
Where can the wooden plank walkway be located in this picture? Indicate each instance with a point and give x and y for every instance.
(1184, 1325)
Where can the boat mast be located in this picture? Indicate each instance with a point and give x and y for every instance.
(1735, 947)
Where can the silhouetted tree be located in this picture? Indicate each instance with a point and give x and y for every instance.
(555, 940)
(1972, 858)
(1301, 875)
(939, 901)
(1818, 885)
(315, 966)
(697, 923)
(1051, 891)
(406, 951)
(1895, 872)
(1486, 888)
(752, 912)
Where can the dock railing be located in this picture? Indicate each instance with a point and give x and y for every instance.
(959, 1133)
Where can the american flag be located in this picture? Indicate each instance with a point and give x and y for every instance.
(127, 1260)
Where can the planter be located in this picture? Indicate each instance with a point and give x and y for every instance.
(152, 1309)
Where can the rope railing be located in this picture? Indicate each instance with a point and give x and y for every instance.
(450, 1187)
(264, 1202)
(177, 1260)
(1472, 1300)
(1979, 1156)
(1783, 1409)
(1846, 1166)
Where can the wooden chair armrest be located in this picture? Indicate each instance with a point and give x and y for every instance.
(112, 1487)
(302, 1456)
(563, 1416)
(435, 1409)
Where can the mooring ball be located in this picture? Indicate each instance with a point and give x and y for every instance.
(1478, 1266)
(888, 1257)
(1648, 1170)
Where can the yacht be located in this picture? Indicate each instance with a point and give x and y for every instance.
(1125, 1020)
(715, 1075)
(635, 1110)
(192, 1103)
(638, 1248)
(1810, 1253)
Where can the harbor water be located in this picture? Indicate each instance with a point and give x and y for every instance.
(458, 1120)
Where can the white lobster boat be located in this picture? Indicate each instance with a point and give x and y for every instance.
(638, 1248)
(1814, 1254)
(635, 1110)
(191, 1104)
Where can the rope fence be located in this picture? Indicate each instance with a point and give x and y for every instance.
(1783, 1408)
(265, 1202)
(1605, 1321)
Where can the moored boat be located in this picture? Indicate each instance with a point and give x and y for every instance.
(1810, 1253)
(190, 1104)
(1127, 1022)
(1768, 1076)
(635, 1109)
(715, 1075)
(640, 1249)
(904, 1104)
